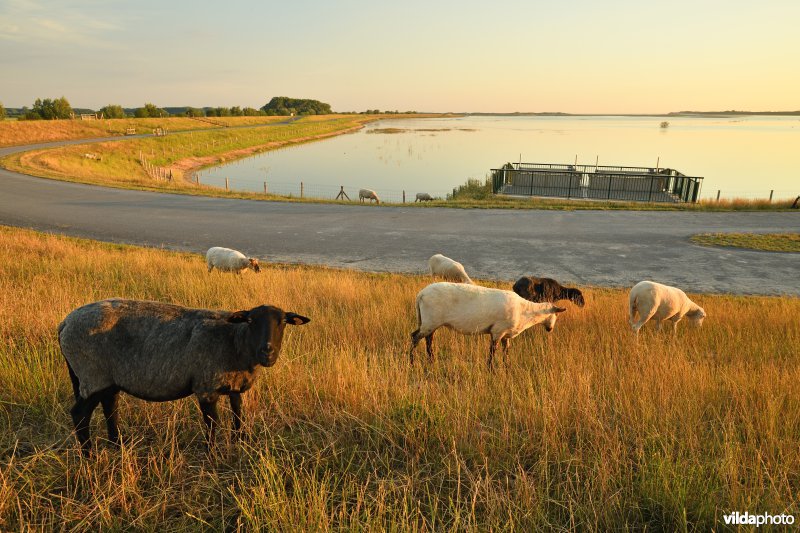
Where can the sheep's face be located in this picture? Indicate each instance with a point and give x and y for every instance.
(696, 317)
(264, 334)
(253, 265)
(550, 321)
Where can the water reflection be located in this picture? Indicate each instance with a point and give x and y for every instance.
(742, 156)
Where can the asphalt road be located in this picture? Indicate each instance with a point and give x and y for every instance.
(605, 248)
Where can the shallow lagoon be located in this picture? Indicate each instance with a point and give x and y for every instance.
(741, 156)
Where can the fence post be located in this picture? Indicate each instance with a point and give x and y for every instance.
(718, 192)
(226, 184)
(197, 179)
(404, 196)
(265, 187)
(301, 189)
(770, 195)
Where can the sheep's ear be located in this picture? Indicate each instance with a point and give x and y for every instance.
(239, 317)
(295, 319)
(557, 309)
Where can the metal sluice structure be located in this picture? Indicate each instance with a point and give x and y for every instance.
(594, 182)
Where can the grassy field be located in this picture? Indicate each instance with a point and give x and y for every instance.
(768, 242)
(584, 429)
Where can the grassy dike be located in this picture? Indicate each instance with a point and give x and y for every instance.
(584, 429)
(21, 132)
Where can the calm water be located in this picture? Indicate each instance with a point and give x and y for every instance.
(742, 156)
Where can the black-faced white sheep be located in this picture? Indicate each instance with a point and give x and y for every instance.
(547, 290)
(228, 260)
(423, 197)
(651, 300)
(448, 269)
(161, 352)
(369, 195)
(474, 310)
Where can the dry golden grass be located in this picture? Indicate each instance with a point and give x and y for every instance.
(15, 133)
(582, 430)
(767, 242)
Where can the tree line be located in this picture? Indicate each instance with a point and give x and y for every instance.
(60, 108)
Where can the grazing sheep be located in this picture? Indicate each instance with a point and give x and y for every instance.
(447, 269)
(229, 260)
(162, 352)
(547, 290)
(661, 302)
(474, 310)
(423, 197)
(368, 194)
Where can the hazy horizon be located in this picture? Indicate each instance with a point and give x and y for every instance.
(619, 57)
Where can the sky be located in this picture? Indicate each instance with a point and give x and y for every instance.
(574, 56)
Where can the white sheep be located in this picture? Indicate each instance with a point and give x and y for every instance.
(475, 310)
(229, 260)
(369, 195)
(448, 269)
(423, 197)
(653, 300)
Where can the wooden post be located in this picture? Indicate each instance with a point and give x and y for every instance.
(404, 196)
(718, 193)
(265, 187)
(197, 179)
(770, 195)
(301, 189)
(226, 184)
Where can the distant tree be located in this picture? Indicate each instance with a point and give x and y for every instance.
(194, 112)
(150, 111)
(236, 111)
(48, 109)
(283, 105)
(2, 111)
(61, 108)
(112, 111)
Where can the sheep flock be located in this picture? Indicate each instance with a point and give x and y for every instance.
(160, 352)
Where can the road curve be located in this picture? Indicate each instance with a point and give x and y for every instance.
(604, 248)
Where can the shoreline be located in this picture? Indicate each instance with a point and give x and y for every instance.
(189, 166)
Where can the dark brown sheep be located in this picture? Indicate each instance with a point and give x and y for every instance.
(162, 352)
(546, 290)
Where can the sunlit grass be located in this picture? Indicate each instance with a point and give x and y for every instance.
(769, 242)
(584, 429)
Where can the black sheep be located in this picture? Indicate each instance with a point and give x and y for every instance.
(546, 290)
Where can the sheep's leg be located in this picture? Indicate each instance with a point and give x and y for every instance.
(492, 349)
(505, 342)
(236, 407)
(81, 416)
(208, 406)
(417, 336)
(210, 268)
(642, 321)
(109, 401)
(429, 346)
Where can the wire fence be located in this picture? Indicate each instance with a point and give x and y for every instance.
(302, 189)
